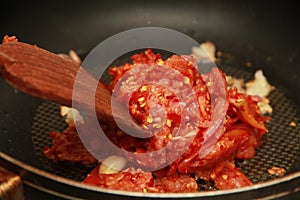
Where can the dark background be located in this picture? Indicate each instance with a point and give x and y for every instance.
(267, 30)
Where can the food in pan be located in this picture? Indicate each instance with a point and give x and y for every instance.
(244, 128)
(259, 87)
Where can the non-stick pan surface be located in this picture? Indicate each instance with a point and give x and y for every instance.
(263, 34)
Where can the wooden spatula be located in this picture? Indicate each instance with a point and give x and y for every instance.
(46, 75)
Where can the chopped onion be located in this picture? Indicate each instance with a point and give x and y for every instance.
(72, 115)
(206, 50)
(73, 55)
(259, 86)
(112, 164)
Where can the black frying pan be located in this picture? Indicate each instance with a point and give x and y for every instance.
(263, 33)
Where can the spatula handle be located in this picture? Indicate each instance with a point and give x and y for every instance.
(46, 75)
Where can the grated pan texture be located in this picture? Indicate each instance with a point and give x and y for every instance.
(280, 145)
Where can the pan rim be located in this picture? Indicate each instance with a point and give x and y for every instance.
(70, 182)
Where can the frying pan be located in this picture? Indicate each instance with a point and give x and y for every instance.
(261, 33)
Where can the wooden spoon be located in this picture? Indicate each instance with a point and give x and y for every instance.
(46, 75)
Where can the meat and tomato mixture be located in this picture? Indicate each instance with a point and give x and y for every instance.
(243, 128)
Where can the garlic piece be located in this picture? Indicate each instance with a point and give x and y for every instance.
(72, 115)
(112, 164)
(259, 86)
(74, 56)
(264, 106)
(206, 51)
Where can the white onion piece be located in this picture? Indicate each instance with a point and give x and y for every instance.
(73, 55)
(72, 115)
(259, 86)
(206, 51)
(112, 165)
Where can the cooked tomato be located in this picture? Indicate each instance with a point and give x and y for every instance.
(242, 130)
